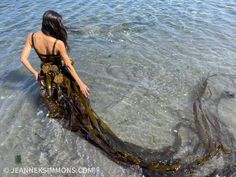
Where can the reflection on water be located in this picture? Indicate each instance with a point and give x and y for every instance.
(141, 60)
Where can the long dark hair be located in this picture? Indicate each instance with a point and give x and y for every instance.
(52, 25)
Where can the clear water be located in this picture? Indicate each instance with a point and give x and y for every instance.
(140, 59)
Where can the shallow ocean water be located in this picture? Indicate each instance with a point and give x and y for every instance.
(141, 60)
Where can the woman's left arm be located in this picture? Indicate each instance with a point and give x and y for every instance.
(25, 56)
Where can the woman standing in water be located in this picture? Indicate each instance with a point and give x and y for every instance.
(51, 46)
(65, 96)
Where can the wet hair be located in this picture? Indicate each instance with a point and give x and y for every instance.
(52, 25)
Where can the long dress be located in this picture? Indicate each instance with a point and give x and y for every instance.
(66, 103)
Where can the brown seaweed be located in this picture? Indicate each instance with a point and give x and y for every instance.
(65, 101)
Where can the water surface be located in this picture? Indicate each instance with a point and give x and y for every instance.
(141, 60)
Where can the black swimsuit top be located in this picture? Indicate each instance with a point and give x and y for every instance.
(50, 58)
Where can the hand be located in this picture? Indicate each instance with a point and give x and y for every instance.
(84, 89)
(36, 75)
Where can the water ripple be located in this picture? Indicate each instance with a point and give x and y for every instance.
(129, 53)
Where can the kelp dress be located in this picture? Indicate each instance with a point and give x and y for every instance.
(66, 103)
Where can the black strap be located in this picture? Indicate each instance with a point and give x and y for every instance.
(32, 39)
(54, 47)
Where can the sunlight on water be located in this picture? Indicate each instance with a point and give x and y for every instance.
(141, 60)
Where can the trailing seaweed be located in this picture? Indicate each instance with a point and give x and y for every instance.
(65, 102)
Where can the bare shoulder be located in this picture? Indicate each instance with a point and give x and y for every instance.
(31, 33)
(29, 38)
(60, 45)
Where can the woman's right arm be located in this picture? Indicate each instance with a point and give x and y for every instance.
(83, 87)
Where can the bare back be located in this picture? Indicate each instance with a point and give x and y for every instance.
(45, 47)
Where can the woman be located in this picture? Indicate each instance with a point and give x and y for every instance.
(65, 95)
(51, 45)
